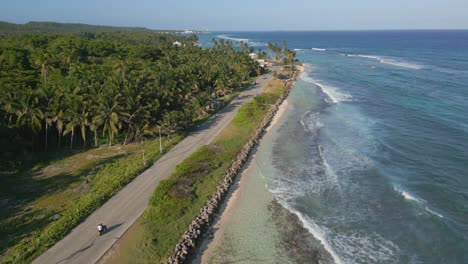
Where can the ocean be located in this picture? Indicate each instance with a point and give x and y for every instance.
(372, 153)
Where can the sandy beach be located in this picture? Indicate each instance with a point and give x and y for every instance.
(237, 190)
(230, 205)
(250, 224)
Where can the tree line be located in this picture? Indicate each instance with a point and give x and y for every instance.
(91, 88)
(282, 53)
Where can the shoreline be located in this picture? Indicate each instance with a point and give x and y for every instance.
(203, 222)
(227, 209)
(292, 242)
(215, 232)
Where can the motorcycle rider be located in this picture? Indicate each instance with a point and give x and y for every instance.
(101, 228)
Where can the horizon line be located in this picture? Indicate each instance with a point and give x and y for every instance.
(247, 30)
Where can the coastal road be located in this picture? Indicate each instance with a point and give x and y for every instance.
(84, 245)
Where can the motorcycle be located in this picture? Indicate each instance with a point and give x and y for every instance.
(102, 230)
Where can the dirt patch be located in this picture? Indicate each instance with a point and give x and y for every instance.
(274, 87)
(215, 148)
(182, 187)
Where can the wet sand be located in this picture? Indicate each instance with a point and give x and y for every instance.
(252, 226)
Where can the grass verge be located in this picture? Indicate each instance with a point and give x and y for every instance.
(106, 182)
(177, 200)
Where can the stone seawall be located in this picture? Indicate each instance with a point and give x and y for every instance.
(186, 244)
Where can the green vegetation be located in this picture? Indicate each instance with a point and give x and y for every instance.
(62, 92)
(177, 201)
(64, 28)
(85, 190)
(287, 56)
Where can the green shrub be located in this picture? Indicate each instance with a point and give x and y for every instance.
(168, 214)
(110, 179)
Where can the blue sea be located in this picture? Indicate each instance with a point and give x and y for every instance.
(372, 155)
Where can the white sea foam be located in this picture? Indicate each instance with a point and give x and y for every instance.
(333, 93)
(409, 196)
(319, 49)
(311, 121)
(245, 40)
(256, 44)
(432, 212)
(419, 201)
(303, 123)
(357, 247)
(329, 170)
(348, 247)
(233, 39)
(315, 230)
(389, 61)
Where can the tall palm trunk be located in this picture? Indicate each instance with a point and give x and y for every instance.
(95, 138)
(71, 142)
(46, 136)
(83, 135)
(110, 138)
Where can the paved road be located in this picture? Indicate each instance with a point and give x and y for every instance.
(83, 245)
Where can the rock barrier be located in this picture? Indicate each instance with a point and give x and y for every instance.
(187, 242)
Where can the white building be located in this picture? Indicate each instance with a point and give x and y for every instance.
(262, 63)
(253, 56)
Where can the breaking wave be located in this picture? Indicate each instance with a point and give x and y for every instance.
(333, 93)
(245, 40)
(421, 202)
(389, 61)
(233, 39)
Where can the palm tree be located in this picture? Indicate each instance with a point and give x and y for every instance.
(169, 124)
(9, 101)
(72, 122)
(51, 96)
(68, 56)
(108, 114)
(136, 116)
(290, 55)
(94, 127)
(275, 48)
(120, 67)
(74, 117)
(201, 104)
(84, 123)
(29, 114)
(45, 68)
(59, 123)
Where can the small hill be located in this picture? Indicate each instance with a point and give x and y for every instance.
(66, 28)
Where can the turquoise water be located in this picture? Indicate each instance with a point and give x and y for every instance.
(373, 154)
(250, 235)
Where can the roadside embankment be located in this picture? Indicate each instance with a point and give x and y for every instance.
(187, 242)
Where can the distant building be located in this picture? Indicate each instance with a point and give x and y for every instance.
(253, 56)
(262, 63)
(177, 43)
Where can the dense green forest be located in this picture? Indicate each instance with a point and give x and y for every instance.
(63, 91)
(54, 27)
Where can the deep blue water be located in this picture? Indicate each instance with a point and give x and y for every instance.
(377, 167)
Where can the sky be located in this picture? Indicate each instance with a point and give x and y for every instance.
(245, 14)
